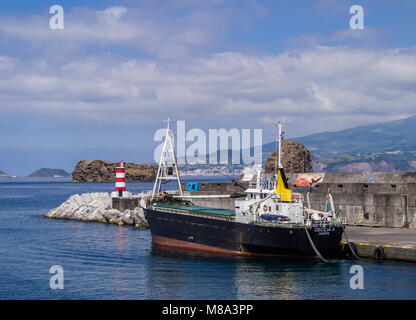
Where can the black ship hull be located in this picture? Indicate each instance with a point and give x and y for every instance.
(229, 237)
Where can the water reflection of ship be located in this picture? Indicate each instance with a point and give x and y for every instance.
(179, 274)
(184, 274)
(285, 279)
(261, 281)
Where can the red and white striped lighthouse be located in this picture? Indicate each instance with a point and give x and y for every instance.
(120, 178)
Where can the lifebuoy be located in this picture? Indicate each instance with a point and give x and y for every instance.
(265, 208)
(160, 195)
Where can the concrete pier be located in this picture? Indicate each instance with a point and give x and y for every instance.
(383, 243)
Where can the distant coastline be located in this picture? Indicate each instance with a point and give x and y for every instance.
(6, 175)
(50, 173)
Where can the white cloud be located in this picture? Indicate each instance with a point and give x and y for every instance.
(163, 36)
(315, 84)
(331, 87)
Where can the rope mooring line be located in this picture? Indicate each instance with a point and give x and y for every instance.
(349, 244)
(315, 249)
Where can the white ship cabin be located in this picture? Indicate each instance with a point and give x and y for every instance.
(269, 200)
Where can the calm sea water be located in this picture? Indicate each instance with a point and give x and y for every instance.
(111, 262)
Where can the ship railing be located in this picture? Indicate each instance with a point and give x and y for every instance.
(328, 223)
(308, 223)
(252, 185)
(195, 214)
(263, 186)
(342, 221)
(322, 223)
(280, 224)
(295, 197)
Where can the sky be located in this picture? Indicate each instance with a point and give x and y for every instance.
(102, 86)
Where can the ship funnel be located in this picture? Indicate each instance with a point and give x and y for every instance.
(282, 186)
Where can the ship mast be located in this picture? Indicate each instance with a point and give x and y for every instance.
(165, 170)
(280, 145)
(277, 160)
(276, 124)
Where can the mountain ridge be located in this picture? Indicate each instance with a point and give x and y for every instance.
(387, 146)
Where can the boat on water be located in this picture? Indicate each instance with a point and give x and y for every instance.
(271, 219)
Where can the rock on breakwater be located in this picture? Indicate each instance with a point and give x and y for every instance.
(295, 158)
(96, 207)
(104, 171)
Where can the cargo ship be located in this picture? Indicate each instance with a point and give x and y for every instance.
(270, 220)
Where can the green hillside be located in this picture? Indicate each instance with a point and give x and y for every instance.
(389, 146)
(399, 135)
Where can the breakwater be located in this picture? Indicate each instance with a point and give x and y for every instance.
(97, 207)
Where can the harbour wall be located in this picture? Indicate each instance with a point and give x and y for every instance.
(214, 188)
(370, 199)
(382, 252)
(381, 243)
(361, 207)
